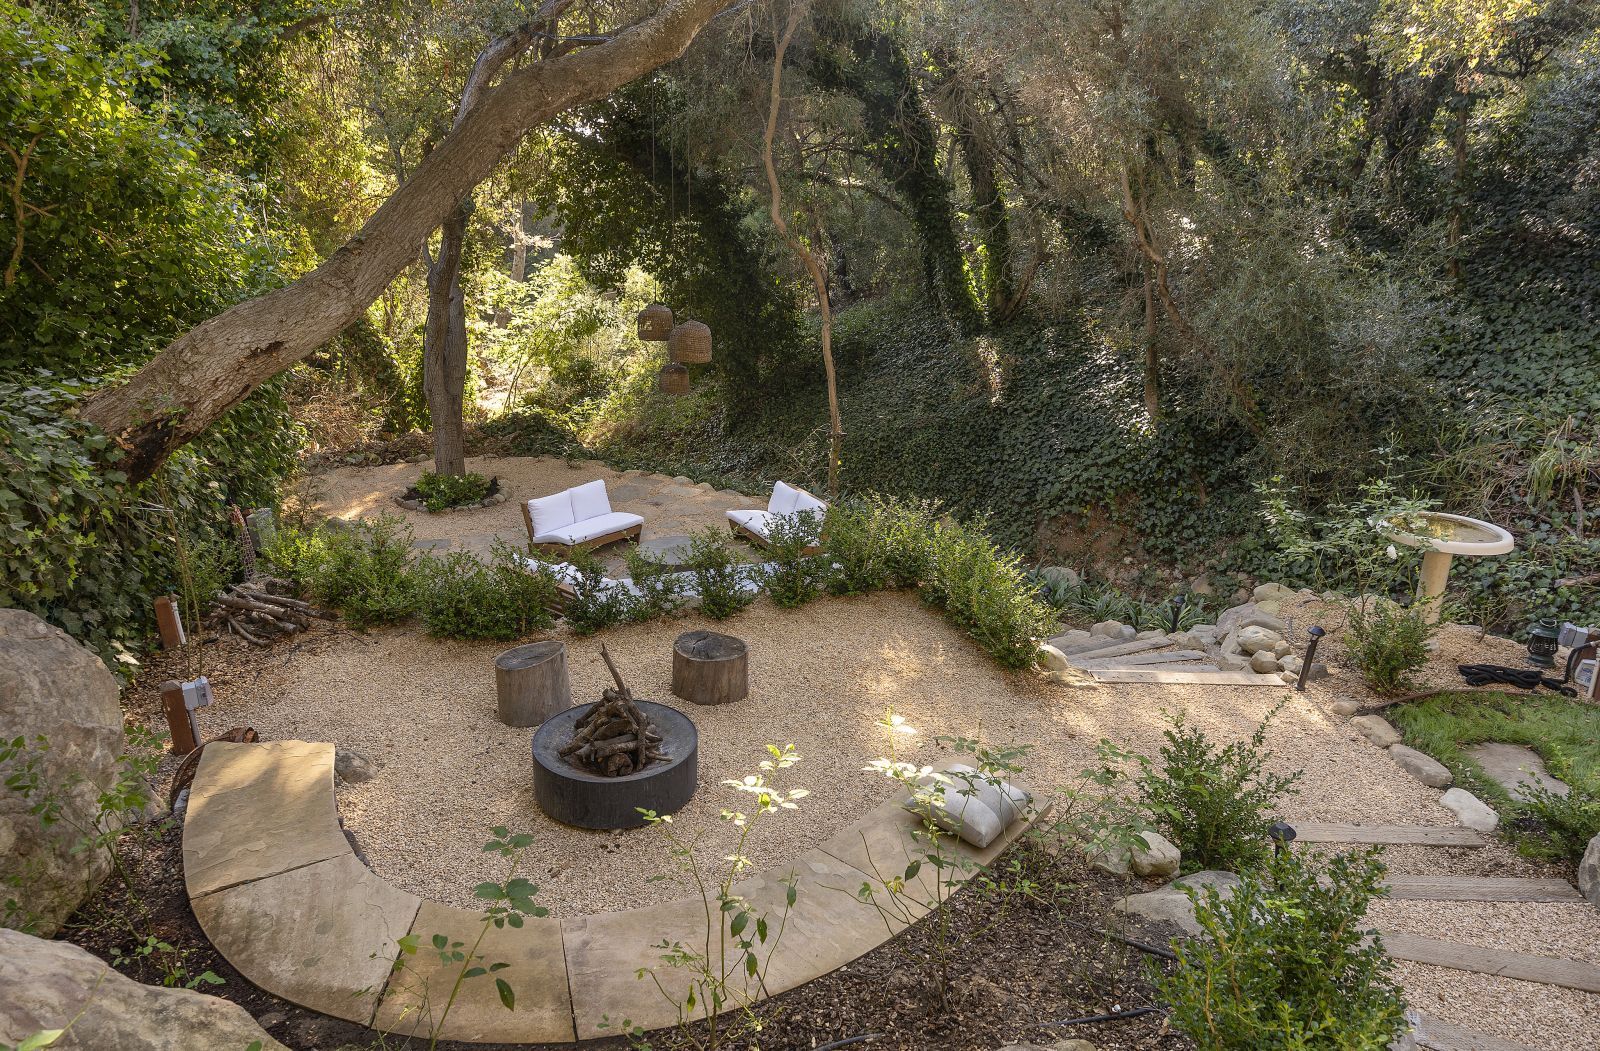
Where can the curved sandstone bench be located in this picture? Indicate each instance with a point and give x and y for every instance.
(277, 888)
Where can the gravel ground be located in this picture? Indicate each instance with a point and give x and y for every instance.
(821, 678)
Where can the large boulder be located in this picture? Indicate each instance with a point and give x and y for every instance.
(1172, 905)
(1589, 873)
(48, 983)
(52, 687)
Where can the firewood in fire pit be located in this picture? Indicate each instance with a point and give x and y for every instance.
(614, 738)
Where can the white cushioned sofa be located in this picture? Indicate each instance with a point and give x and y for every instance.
(786, 501)
(578, 517)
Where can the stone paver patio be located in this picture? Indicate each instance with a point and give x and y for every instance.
(277, 888)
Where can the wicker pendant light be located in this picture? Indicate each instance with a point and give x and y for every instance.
(655, 323)
(690, 343)
(673, 379)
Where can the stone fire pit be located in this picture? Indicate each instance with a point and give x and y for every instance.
(574, 796)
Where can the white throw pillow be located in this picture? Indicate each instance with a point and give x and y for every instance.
(974, 809)
(783, 498)
(589, 501)
(1006, 800)
(550, 513)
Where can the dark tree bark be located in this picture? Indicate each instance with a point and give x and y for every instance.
(216, 364)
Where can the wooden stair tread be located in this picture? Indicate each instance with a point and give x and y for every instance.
(1479, 888)
(1185, 677)
(1424, 835)
(1546, 970)
(1077, 647)
(1093, 660)
(1119, 649)
(1439, 1035)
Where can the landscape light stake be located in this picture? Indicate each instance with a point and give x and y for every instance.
(1316, 634)
(1178, 602)
(1282, 834)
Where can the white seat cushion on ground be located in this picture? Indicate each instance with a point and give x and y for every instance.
(975, 808)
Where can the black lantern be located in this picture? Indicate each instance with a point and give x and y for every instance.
(1542, 640)
(1282, 834)
(1178, 602)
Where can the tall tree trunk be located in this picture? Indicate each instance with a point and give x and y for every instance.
(797, 11)
(979, 158)
(215, 365)
(444, 347)
(1152, 353)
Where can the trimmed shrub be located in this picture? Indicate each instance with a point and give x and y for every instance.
(1214, 804)
(986, 592)
(362, 569)
(795, 577)
(440, 492)
(856, 556)
(719, 573)
(593, 606)
(505, 599)
(662, 590)
(1387, 642)
(1285, 962)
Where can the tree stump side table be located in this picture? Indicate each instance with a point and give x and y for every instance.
(710, 668)
(531, 683)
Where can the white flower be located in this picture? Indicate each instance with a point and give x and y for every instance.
(1393, 554)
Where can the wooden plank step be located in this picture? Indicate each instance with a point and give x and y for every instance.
(1546, 970)
(1071, 647)
(1121, 649)
(1094, 660)
(1479, 888)
(1189, 678)
(1439, 1035)
(1424, 835)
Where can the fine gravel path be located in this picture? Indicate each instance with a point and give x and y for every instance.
(822, 677)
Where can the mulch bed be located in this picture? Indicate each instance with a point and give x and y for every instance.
(1017, 963)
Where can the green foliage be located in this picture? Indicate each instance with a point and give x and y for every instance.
(594, 604)
(1285, 962)
(442, 491)
(1091, 602)
(88, 552)
(362, 568)
(1215, 804)
(126, 237)
(660, 590)
(505, 599)
(1387, 642)
(855, 549)
(1565, 733)
(985, 592)
(721, 576)
(795, 573)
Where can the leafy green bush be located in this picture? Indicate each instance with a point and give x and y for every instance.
(594, 605)
(1285, 963)
(1213, 803)
(1387, 642)
(986, 592)
(1565, 824)
(1091, 602)
(855, 552)
(440, 492)
(661, 589)
(363, 568)
(795, 575)
(85, 550)
(505, 599)
(719, 573)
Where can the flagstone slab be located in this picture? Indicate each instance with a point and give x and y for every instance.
(256, 810)
(323, 936)
(537, 974)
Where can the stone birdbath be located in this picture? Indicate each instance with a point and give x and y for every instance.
(1443, 536)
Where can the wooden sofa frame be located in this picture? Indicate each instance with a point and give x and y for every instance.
(631, 533)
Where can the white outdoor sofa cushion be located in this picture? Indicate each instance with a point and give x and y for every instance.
(786, 500)
(576, 516)
(975, 808)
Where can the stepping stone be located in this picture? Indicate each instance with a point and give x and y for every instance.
(1421, 835)
(1547, 970)
(430, 545)
(537, 975)
(1072, 646)
(1517, 768)
(1470, 810)
(1133, 660)
(1120, 649)
(1479, 888)
(1424, 768)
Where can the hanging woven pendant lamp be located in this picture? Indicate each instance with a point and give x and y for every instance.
(655, 323)
(690, 343)
(673, 379)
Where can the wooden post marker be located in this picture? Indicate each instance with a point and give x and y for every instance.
(531, 682)
(710, 668)
(179, 722)
(170, 622)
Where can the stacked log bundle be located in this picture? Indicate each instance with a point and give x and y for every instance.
(259, 610)
(614, 738)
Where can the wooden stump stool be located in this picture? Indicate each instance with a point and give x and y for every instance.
(532, 684)
(709, 668)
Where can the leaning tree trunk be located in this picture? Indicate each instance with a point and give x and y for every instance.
(444, 347)
(215, 365)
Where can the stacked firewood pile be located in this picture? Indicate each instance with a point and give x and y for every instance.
(614, 738)
(260, 610)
